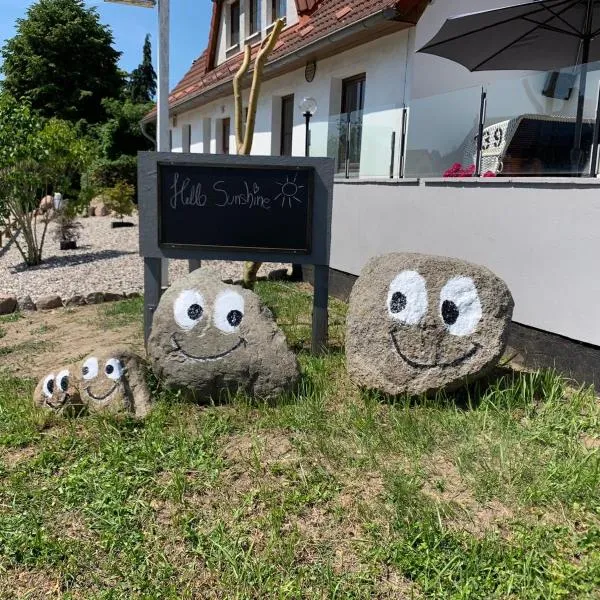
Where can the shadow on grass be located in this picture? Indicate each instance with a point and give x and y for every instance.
(503, 388)
(72, 260)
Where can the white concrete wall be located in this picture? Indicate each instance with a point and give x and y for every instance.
(384, 62)
(543, 241)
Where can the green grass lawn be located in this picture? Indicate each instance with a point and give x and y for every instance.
(330, 493)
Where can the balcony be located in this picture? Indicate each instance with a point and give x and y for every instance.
(527, 128)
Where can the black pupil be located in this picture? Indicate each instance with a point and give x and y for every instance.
(109, 369)
(398, 303)
(234, 318)
(194, 312)
(50, 386)
(449, 312)
(85, 370)
(64, 384)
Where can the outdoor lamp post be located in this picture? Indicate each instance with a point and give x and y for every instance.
(308, 106)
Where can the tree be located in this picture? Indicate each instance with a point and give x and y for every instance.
(121, 133)
(244, 135)
(62, 61)
(36, 157)
(142, 81)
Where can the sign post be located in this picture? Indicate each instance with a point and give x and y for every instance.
(244, 208)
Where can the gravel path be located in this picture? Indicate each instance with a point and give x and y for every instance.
(107, 260)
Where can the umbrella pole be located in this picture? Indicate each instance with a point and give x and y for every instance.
(576, 153)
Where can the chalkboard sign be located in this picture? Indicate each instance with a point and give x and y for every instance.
(235, 207)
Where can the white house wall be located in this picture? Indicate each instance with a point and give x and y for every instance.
(384, 61)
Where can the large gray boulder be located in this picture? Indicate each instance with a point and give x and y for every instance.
(113, 380)
(419, 323)
(214, 339)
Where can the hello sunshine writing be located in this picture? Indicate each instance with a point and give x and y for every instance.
(248, 193)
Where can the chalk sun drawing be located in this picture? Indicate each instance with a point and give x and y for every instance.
(289, 189)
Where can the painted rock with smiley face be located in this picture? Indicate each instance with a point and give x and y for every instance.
(113, 380)
(59, 392)
(419, 323)
(213, 339)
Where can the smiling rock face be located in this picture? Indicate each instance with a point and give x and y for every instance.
(113, 380)
(419, 323)
(59, 392)
(214, 339)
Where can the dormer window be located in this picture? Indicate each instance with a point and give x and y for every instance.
(234, 23)
(253, 16)
(278, 9)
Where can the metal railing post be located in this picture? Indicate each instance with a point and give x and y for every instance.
(404, 135)
(594, 159)
(393, 154)
(347, 166)
(482, 113)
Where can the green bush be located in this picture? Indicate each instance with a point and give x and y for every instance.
(119, 198)
(105, 173)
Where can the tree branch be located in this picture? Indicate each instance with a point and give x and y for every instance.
(237, 96)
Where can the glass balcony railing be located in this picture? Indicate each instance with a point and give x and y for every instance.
(362, 143)
(521, 127)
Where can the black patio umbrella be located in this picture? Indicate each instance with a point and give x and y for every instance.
(540, 36)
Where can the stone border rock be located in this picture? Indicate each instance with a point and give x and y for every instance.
(10, 304)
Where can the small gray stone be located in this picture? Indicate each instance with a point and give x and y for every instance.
(113, 380)
(95, 298)
(419, 323)
(49, 302)
(75, 301)
(214, 339)
(25, 303)
(59, 392)
(112, 297)
(8, 304)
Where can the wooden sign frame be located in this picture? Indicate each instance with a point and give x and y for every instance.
(154, 252)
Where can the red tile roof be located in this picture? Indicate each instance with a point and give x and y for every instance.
(318, 18)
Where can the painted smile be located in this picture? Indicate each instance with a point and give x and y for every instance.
(178, 348)
(420, 365)
(88, 391)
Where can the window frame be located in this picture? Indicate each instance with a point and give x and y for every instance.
(231, 42)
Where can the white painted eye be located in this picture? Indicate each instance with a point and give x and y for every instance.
(90, 368)
(48, 385)
(407, 298)
(229, 311)
(460, 307)
(188, 309)
(113, 369)
(62, 381)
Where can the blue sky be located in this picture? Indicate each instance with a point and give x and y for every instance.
(190, 20)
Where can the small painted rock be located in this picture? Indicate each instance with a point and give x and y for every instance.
(214, 339)
(59, 392)
(419, 323)
(113, 380)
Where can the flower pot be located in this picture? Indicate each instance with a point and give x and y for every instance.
(119, 224)
(68, 245)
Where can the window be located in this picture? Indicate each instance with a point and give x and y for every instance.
(234, 23)
(278, 9)
(170, 140)
(253, 16)
(287, 125)
(186, 138)
(353, 103)
(225, 132)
